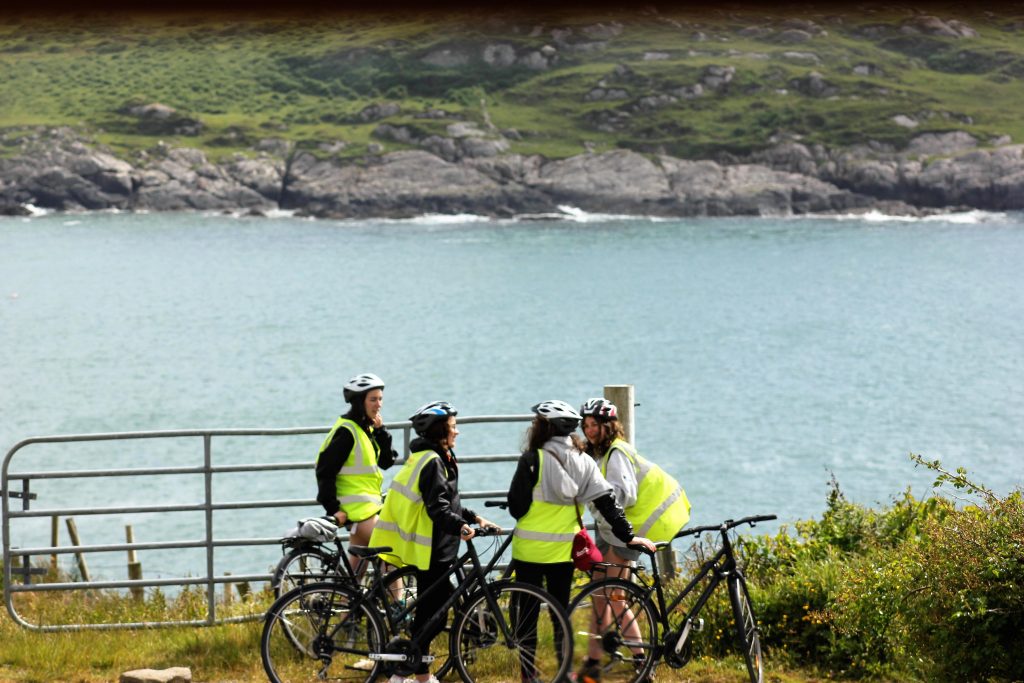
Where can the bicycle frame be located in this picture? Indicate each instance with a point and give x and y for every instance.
(476, 577)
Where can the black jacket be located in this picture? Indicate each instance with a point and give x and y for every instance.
(334, 456)
(439, 486)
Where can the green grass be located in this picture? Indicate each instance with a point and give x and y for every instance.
(312, 75)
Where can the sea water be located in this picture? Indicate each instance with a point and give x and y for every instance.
(768, 355)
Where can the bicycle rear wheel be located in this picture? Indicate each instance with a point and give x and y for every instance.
(305, 564)
(615, 619)
(321, 632)
(747, 632)
(484, 653)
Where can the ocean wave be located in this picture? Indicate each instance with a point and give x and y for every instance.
(875, 216)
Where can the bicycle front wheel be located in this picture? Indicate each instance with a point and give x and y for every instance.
(526, 637)
(749, 636)
(321, 632)
(614, 622)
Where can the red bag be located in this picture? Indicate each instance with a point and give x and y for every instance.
(584, 551)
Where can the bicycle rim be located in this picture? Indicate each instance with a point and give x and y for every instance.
(539, 645)
(614, 622)
(334, 630)
(748, 635)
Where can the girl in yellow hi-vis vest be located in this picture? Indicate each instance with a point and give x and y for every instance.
(423, 518)
(655, 503)
(348, 467)
(552, 478)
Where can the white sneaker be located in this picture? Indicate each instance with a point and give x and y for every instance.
(399, 679)
(363, 665)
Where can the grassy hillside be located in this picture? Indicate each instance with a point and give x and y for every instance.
(562, 83)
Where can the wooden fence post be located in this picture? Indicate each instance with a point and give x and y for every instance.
(73, 533)
(54, 540)
(134, 566)
(622, 395)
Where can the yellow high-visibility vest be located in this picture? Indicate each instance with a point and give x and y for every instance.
(544, 534)
(661, 507)
(360, 478)
(404, 524)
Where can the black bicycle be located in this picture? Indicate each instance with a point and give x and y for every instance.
(616, 622)
(496, 632)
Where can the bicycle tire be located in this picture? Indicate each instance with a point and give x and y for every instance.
(625, 658)
(747, 632)
(336, 628)
(305, 564)
(479, 648)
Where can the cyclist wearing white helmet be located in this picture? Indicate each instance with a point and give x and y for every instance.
(348, 467)
(423, 517)
(655, 504)
(553, 478)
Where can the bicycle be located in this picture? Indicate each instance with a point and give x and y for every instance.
(309, 560)
(495, 630)
(628, 620)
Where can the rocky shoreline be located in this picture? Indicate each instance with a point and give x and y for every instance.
(61, 170)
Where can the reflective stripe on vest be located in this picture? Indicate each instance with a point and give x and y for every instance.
(544, 534)
(661, 507)
(359, 480)
(404, 523)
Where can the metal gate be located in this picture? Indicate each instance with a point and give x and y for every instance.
(20, 484)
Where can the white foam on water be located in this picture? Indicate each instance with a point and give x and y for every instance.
(875, 216)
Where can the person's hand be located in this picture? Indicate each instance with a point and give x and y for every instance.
(645, 543)
(485, 524)
(467, 532)
(378, 421)
(341, 517)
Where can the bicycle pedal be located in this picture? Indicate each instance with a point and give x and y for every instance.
(698, 624)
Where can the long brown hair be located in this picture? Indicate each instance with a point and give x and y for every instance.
(541, 431)
(610, 430)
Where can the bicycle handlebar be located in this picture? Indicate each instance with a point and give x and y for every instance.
(726, 525)
(496, 504)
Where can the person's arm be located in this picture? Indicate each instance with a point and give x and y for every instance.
(615, 516)
(328, 465)
(387, 456)
(520, 491)
(622, 478)
(437, 499)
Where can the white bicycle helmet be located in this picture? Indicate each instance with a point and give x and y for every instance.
(318, 529)
(560, 414)
(600, 409)
(435, 411)
(360, 384)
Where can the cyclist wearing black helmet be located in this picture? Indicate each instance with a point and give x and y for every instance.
(423, 518)
(348, 467)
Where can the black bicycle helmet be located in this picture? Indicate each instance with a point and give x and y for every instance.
(360, 384)
(431, 413)
(560, 414)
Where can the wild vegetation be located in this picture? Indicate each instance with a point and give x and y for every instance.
(698, 84)
(921, 589)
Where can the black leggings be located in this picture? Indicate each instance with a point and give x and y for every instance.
(556, 579)
(430, 604)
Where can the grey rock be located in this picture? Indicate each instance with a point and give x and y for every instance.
(867, 70)
(275, 146)
(814, 85)
(905, 121)
(534, 60)
(178, 674)
(754, 31)
(940, 144)
(377, 111)
(447, 58)
(602, 31)
(715, 76)
(464, 129)
(793, 36)
(934, 26)
(499, 55)
(656, 56)
(802, 57)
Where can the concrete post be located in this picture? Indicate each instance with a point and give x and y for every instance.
(134, 566)
(622, 396)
